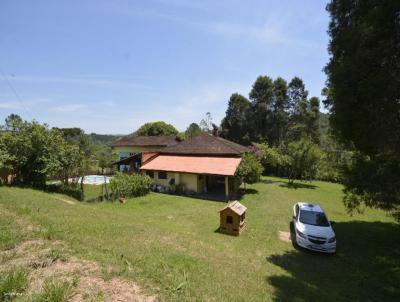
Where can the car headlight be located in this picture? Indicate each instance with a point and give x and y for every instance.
(333, 239)
(301, 234)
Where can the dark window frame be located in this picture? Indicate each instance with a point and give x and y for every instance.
(162, 175)
(229, 219)
(150, 174)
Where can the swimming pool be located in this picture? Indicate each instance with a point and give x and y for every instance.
(95, 179)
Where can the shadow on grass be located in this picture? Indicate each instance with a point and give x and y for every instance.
(248, 191)
(269, 181)
(366, 267)
(243, 192)
(298, 186)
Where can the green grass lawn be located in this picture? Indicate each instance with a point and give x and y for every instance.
(92, 192)
(173, 249)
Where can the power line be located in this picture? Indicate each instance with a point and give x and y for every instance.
(15, 93)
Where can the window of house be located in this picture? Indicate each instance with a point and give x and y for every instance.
(162, 175)
(123, 155)
(243, 217)
(150, 174)
(229, 219)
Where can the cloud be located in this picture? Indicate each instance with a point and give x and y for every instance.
(270, 32)
(192, 106)
(26, 103)
(273, 31)
(68, 108)
(262, 33)
(10, 105)
(78, 80)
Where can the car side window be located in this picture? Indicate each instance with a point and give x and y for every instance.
(297, 211)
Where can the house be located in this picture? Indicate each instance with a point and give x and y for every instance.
(232, 218)
(130, 149)
(203, 166)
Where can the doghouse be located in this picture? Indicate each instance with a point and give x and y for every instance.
(232, 218)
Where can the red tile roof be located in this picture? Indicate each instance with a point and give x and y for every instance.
(206, 144)
(146, 141)
(215, 165)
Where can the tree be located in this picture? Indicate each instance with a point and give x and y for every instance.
(193, 130)
(31, 151)
(280, 114)
(297, 94)
(69, 160)
(298, 109)
(302, 159)
(216, 130)
(71, 134)
(206, 124)
(274, 161)
(106, 158)
(250, 169)
(156, 129)
(262, 96)
(235, 125)
(363, 97)
(313, 120)
(335, 156)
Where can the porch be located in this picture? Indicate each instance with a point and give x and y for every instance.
(130, 164)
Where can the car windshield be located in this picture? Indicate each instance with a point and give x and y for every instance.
(313, 218)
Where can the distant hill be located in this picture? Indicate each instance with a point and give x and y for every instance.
(103, 139)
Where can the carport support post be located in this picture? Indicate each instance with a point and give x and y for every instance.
(177, 179)
(226, 187)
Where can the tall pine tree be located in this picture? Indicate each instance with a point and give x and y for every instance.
(261, 95)
(235, 125)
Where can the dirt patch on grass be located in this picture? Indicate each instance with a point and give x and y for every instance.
(50, 260)
(111, 290)
(285, 236)
(65, 200)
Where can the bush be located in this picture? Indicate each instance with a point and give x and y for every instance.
(54, 291)
(273, 159)
(73, 190)
(180, 189)
(124, 185)
(250, 169)
(303, 157)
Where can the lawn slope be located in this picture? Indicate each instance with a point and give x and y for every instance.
(170, 245)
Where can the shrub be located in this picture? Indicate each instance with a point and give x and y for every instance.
(180, 189)
(54, 291)
(124, 185)
(12, 283)
(250, 169)
(273, 159)
(303, 158)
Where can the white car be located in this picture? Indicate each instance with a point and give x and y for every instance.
(313, 229)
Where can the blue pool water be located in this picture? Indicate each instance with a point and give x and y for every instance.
(95, 179)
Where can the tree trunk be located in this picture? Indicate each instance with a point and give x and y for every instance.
(82, 178)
